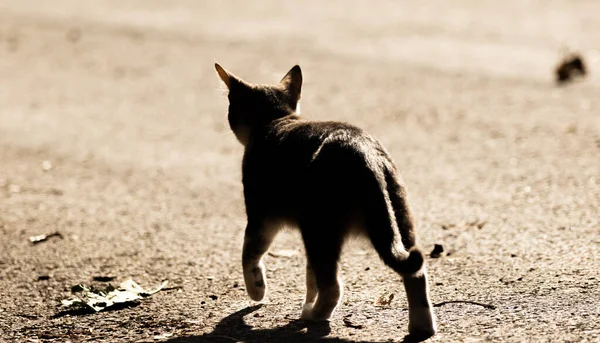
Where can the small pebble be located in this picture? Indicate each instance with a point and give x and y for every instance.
(46, 165)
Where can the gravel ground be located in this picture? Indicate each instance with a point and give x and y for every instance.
(113, 133)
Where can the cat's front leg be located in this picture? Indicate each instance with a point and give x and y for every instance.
(256, 243)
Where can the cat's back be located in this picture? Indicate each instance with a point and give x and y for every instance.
(298, 145)
(296, 166)
(294, 130)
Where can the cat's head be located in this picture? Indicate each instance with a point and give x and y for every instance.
(252, 106)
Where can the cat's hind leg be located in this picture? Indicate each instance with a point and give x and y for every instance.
(421, 320)
(257, 240)
(311, 289)
(396, 246)
(410, 265)
(323, 253)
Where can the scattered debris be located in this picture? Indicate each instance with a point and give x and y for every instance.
(163, 336)
(95, 300)
(54, 191)
(488, 306)
(509, 280)
(571, 129)
(42, 238)
(192, 321)
(476, 223)
(16, 189)
(385, 299)
(283, 253)
(28, 316)
(571, 67)
(350, 324)
(178, 288)
(437, 251)
(43, 277)
(104, 278)
(46, 166)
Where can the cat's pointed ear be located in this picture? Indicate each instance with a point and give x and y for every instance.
(292, 82)
(225, 76)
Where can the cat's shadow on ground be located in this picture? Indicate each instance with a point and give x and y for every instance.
(233, 329)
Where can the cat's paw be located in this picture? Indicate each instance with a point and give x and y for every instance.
(421, 322)
(255, 281)
(307, 311)
(313, 314)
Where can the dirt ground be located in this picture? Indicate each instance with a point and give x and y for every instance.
(143, 175)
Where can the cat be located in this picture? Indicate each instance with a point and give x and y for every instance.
(329, 179)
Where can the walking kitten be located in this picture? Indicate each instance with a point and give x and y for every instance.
(329, 179)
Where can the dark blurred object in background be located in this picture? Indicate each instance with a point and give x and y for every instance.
(571, 67)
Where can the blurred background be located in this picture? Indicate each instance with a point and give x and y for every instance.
(113, 132)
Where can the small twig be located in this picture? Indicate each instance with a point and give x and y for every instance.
(172, 288)
(28, 316)
(488, 306)
(42, 238)
(349, 324)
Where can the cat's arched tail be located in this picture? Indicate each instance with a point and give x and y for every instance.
(390, 225)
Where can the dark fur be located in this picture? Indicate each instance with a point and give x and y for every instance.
(329, 179)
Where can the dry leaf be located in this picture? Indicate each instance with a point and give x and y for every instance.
(101, 299)
(385, 299)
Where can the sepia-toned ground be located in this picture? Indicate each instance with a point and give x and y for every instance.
(142, 177)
